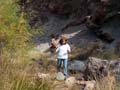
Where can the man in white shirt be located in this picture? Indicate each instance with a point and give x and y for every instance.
(62, 52)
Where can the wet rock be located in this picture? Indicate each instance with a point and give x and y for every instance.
(77, 65)
(60, 76)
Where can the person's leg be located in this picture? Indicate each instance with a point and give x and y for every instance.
(59, 62)
(65, 63)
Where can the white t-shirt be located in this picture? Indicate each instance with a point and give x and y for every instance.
(62, 51)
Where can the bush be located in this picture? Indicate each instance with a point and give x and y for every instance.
(16, 72)
(13, 26)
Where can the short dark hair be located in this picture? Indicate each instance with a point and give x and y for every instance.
(63, 39)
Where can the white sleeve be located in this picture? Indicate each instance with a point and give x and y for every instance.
(68, 48)
(57, 50)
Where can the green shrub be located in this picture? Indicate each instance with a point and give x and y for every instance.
(16, 69)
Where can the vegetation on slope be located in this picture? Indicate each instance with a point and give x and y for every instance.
(16, 72)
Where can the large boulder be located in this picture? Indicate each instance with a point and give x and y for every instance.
(99, 68)
(115, 67)
(96, 68)
(77, 65)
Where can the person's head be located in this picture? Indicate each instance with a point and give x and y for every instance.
(63, 40)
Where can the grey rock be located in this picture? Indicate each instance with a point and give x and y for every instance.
(60, 76)
(77, 65)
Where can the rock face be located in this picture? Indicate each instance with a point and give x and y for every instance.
(77, 65)
(60, 8)
(60, 76)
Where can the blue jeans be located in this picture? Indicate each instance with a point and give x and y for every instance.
(65, 64)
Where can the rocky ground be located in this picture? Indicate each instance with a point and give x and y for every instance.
(83, 43)
(82, 74)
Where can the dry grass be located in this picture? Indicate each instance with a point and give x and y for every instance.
(16, 68)
(106, 83)
(18, 74)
